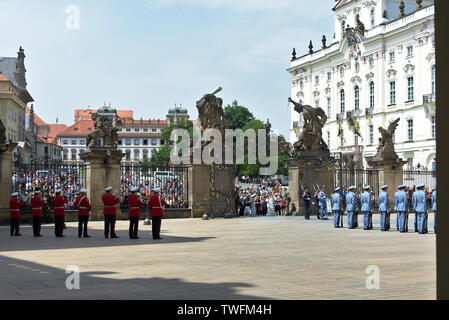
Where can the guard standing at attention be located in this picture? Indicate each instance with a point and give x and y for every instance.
(156, 205)
(110, 202)
(322, 198)
(134, 213)
(83, 206)
(37, 204)
(365, 200)
(400, 205)
(59, 204)
(14, 213)
(337, 207)
(351, 207)
(434, 209)
(419, 203)
(384, 209)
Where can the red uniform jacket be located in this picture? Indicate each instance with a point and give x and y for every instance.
(36, 204)
(110, 201)
(134, 205)
(14, 208)
(156, 204)
(59, 205)
(83, 206)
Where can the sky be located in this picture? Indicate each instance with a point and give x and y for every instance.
(147, 55)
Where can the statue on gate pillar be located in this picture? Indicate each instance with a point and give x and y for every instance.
(105, 120)
(385, 150)
(310, 139)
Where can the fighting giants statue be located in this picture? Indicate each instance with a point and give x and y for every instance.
(310, 139)
(386, 151)
(210, 112)
(104, 123)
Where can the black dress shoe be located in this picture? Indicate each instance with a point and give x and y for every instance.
(86, 236)
(18, 235)
(160, 238)
(106, 237)
(115, 237)
(79, 236)
(39, 235)
(136, 238)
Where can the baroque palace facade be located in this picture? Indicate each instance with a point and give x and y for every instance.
(379, 66)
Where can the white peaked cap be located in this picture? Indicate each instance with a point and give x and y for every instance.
(108, 188)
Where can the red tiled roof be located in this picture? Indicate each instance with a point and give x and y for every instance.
(3, 78)
(6, 92)
(55, 129)
(80, 128)
(86, 114)
(143, 123)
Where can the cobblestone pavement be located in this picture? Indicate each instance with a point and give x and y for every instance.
(240, 258)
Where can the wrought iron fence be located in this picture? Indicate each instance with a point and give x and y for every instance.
(412, 178)
(172, 180)
(47, 176)
(359, 178)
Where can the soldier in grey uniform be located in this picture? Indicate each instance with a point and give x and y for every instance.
(351, 207)
(420, 207)
(400, 205)
(384, 209)
(337, 207)
(365, 200)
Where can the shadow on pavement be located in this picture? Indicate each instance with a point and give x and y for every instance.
(71, 240)
(27, 280)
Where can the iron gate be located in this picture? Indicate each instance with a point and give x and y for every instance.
(222, 191)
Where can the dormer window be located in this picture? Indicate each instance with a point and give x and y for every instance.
(75, 129)
(372, 15)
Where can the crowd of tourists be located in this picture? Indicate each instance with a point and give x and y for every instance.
(258, 200)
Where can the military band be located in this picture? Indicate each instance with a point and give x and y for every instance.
(37, 212)
(83, 206)
(110, 202)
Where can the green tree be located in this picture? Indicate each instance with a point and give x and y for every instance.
(237, 116)
(162, 156)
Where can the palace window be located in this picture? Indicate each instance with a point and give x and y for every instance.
(372, 15)
(329, 107)
(145, 142)
(356, 139)
(329, 76)
(317, 103)
(301, 84)
(342, 140)
(432, 75)
(136, 142)
(392, 56)
(409, 51)
(317, 80)
(128, 155)
(433, 127)
(73, 142)
(119, 142)
(343, 28)
(136, 154)
(73, 154)
(153, 142)
(410, 89)
(128, 130)
(371, 62)
(371, 95)
(393, 92)
(371, 134)
(128, 142)
(410, 129)
(65, 141)
(356, 98)
(342, 101)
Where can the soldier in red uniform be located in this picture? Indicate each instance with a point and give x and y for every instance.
(134, 213)
(156, 205)
(110, 212)
(37, 212)
(83, 206)
(14, 213)
(59, 204)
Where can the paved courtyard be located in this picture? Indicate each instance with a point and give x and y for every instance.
(240, 258)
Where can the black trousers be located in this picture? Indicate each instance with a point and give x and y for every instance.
(307, 212)
(82, 224)
(37, 226)
(109, 224)
(133, 227)
(15, 226)
(156, 227)
(59, 225)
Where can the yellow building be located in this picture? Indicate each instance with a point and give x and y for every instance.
(11, 107)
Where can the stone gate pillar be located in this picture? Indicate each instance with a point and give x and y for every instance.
(391, 174)
(5, 180)
(102, 170)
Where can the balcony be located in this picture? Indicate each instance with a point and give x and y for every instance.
(429, 98)
(353, 113)
(340, 116)
(369, 111)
